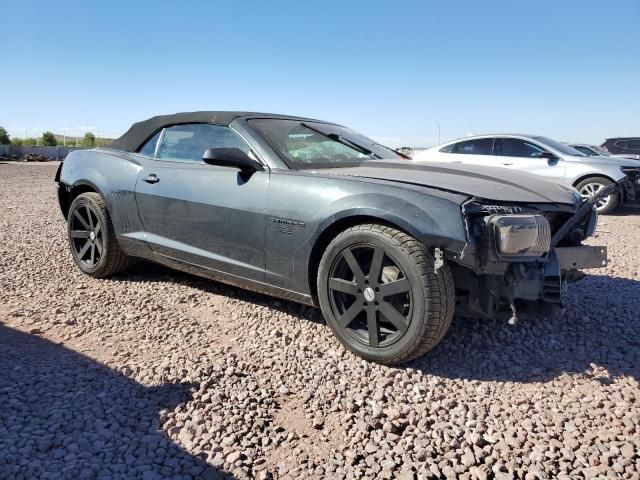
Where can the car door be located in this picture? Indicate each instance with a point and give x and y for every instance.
(525, 155)
(205, 215)
(476, 151)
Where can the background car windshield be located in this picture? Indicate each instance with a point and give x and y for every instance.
(312, 147)
(561, 147)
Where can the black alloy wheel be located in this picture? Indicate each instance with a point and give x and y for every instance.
(92, 238)
(370, 295)
(382, 295)
(86, 235)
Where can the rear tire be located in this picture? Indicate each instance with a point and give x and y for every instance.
(381, 295)
(92, 239)
(590, 186)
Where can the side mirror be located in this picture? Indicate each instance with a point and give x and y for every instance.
(231, 157)
(547, 155)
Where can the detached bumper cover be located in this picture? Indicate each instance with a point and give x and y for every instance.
(584, 256)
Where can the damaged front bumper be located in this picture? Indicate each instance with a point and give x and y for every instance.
(491, 284)
(525, 286)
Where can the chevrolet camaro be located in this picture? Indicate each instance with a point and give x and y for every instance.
(316, 213)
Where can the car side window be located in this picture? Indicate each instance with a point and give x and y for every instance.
(447, 148)
(189, 142)
(478, 146)
(516, 147)
(149, 148)
(634, 144)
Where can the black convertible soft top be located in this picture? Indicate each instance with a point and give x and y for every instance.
(140, 132)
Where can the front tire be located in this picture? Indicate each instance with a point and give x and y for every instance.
(381, 295)
(591, 186)
(92, 239)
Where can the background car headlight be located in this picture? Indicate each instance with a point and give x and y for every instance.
(522, 235)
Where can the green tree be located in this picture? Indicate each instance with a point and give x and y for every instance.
(17, 141)
(30, 141)
(89, 140)
(4, 137)
(49, 139)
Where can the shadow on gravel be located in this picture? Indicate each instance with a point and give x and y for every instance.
(63, 415)
(600, 326)
(153, 272)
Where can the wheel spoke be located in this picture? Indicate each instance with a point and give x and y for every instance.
(93, 254)
(89, 216)
(376, 265)
(344, 286)
(348, 316)
(96, 231)
(395, 287)
(99, 245)
(391, 314)
(372, 327)
(353, 265)
(84, 249)
(79, 234)
(81, 220)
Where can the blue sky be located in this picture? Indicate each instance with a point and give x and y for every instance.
(392, 70)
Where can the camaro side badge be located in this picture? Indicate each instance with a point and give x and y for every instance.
(285, 225)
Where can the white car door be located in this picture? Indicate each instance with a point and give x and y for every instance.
(528, 156)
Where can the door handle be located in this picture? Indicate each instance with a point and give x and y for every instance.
(151, 178)
(508, 163)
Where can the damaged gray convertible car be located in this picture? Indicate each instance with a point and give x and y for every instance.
(316, 213)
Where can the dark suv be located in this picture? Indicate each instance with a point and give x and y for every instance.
(623, 146)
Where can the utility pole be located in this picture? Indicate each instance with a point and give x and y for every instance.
(438, 133)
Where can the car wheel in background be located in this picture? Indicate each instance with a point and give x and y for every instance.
(92, 239)
(591, 186)
(381, 294)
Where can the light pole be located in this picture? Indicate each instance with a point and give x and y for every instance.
(438, 125)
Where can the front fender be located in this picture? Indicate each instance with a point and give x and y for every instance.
(432, 221)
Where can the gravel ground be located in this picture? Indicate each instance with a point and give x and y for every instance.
(157, 374)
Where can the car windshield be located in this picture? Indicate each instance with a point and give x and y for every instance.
(560, 147)
(306, 144)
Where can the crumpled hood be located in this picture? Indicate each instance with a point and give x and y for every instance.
(498, 184)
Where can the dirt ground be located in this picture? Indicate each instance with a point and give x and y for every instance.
(158, 374)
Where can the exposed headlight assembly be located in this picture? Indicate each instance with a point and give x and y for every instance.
(521, 235)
